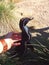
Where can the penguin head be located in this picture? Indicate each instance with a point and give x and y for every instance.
(24, 21)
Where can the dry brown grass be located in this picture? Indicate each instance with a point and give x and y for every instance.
(30, 8)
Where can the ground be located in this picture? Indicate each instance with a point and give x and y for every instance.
(38, 9)
(39, 28)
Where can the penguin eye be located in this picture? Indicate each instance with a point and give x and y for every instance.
(22, 19)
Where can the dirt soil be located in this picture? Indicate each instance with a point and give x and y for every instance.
(39, 10)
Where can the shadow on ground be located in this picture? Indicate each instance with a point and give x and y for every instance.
(41, 37)
(40, 55)
(41, 31)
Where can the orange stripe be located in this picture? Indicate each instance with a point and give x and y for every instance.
(4, 45)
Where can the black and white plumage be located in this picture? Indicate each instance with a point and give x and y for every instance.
(24, 28)
(26, 36)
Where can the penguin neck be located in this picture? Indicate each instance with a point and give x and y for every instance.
(26, 29)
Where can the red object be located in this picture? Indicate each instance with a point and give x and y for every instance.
(11, 39)
(16, 36)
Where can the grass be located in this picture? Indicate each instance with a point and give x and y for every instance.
(6, 16)
(41, 45)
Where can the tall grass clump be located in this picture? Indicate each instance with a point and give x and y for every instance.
(6, 17)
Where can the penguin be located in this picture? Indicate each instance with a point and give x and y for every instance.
(26, 36)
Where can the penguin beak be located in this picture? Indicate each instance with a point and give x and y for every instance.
(31, 18)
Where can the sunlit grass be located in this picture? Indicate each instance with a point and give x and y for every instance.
(5, 11)
(7, 18)
(41, 52)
